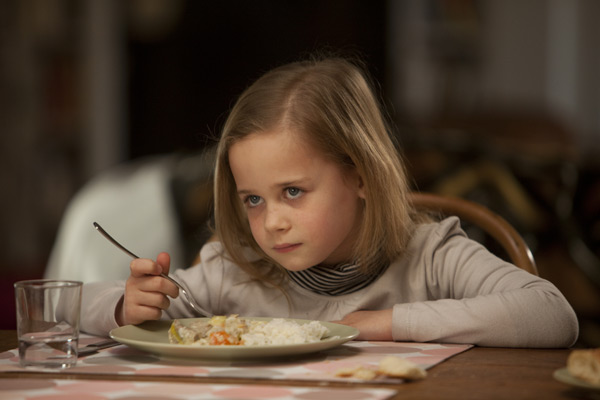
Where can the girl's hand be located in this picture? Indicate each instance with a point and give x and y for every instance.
(146, 291)
(373, 325)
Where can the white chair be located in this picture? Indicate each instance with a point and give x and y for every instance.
(134, 203)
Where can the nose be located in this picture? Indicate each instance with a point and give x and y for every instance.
(276, 219)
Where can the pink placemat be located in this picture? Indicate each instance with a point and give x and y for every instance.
(83, 389)
(321, 366)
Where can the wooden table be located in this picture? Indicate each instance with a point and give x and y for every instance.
(479, 373)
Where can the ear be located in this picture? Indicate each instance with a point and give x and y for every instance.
(357, 180)
(361, 187)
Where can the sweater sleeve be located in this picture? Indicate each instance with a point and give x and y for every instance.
(475, 297)
(99, 301)
(203, 282)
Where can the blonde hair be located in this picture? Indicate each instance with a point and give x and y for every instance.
(332, 103)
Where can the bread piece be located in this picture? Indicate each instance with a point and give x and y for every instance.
(357, 372)
(585, 365)
(390, 366)
(401, 368)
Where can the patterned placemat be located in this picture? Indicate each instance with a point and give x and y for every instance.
(318, 366)
(84, 389)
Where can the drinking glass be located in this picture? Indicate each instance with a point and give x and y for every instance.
(48, 314)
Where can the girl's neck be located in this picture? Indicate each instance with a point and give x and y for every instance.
(335, 280)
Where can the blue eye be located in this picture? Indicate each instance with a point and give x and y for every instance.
(253, 200)
(293, 192)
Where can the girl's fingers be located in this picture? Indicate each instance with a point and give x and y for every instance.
(140, 305)
(150, 299)
(145, 291)
(152, 284)
(144, 275)
(164, 260)
(138, 314)
(142, 266)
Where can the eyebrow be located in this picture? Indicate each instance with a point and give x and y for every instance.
(294, 182)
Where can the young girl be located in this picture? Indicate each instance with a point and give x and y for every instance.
(313, 222)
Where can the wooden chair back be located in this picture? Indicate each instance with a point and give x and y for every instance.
(491, 223)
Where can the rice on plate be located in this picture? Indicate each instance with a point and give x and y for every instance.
(233, 330)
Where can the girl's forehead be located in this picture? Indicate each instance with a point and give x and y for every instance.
(276, 137)
(288, 145)
(274, 153)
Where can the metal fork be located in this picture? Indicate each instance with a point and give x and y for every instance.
(89, 349)
(95, 347)
(189, 300)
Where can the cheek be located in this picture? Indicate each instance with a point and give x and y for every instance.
(340, 217)
(320, 222)
(258, 231)
(255, 226)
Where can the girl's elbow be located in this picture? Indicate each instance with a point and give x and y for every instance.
(571, 328)
(565, 330)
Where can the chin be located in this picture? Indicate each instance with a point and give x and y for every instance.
(296, 268)
(290, 266)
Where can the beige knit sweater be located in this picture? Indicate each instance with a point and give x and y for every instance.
(445, 288)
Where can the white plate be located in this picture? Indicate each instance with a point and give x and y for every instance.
(564, 376)
(152, 336)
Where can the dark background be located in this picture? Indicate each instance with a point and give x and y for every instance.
(213, 54)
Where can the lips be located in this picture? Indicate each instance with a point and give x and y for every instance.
(286, 247)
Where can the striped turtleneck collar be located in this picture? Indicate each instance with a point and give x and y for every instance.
(333, 281)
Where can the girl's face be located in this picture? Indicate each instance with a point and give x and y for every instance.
(303, 209)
